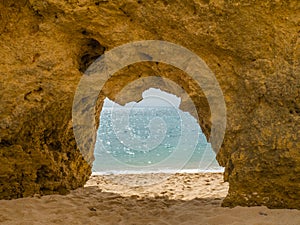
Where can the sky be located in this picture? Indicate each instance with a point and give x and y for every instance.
(151, 97)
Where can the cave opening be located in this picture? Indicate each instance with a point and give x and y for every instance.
(151, 135)
(120, 151)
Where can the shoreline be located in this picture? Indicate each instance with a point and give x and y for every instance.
(182, 186)
(170, 171)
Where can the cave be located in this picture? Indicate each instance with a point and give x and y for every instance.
(251, 47)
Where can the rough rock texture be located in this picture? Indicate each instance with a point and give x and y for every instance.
(252, 47)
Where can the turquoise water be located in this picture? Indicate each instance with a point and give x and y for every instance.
(151, 139)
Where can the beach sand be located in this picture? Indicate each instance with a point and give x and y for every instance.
(189, 199)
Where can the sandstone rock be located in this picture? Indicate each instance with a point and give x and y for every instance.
(251, 46)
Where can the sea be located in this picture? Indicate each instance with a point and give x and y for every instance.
(161, 139)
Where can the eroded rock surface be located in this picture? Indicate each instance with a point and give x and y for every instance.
(251, 46)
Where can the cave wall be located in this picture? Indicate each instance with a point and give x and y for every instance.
(251, 46)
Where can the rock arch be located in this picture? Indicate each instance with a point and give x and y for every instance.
(252, 47)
